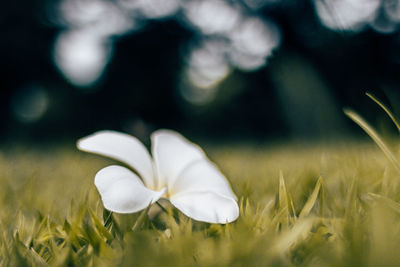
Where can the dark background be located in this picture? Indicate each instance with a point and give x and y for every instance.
(311, 75)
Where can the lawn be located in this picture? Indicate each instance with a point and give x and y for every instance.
(300, 205)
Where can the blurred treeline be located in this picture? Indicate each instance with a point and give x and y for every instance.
(144, 80)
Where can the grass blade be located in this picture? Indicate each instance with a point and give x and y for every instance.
(288, 238)
(311, 200)
(141, 219)
(374, 135)
(283, 201)
(283, 197)
(100, 227)
(386, 109)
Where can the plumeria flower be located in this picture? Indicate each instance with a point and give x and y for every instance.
(179, 171)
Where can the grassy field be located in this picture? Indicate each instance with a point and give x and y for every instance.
(301, 205)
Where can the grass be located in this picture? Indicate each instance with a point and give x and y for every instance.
(300, 205)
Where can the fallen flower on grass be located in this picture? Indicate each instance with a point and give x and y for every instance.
(179, 171)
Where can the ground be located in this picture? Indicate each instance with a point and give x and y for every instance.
(333, 204)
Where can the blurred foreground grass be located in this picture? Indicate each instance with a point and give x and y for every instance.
(332, 205)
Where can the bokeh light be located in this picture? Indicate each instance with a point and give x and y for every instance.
(207, 64)
(29, 103)
(252, 42)
(84, 49)
(346, 14)
(81, 57)
(212, 17)
(356, 15)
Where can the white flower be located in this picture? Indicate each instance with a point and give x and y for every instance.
(179, 171)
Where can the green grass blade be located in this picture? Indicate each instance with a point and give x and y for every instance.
(283, 197)
(374, 135)
(386, 109)
(299, 231)
(141, 219)
(99, 226)
(311, 200)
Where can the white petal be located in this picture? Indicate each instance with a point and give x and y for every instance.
(122, 191)
(123, 147)
(172, 153)
(202, 175)
(207, 207)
